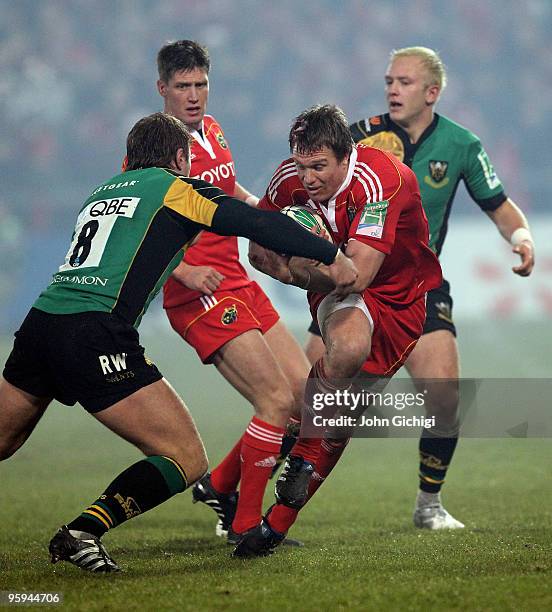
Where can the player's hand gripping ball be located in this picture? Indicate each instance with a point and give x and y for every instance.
(309, 219)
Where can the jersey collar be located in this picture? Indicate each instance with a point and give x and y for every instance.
(329, 209)
(203, 142)
(404, 136)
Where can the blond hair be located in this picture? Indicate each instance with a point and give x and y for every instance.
(430, 60)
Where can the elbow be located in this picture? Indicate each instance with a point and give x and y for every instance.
(255, 262)
(255, 256)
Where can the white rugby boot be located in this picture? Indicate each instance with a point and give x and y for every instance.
(430, 514)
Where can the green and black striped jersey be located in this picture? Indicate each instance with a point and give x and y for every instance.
(129, 237)
(131, 233)
(445, 154)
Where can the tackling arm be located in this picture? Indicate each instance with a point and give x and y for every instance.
(315, 277)
(206, 278)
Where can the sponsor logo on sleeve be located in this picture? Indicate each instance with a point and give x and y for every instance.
(372, 219)
(490, 175)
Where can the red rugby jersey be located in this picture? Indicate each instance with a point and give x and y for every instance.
(379, 204)
(211, 160)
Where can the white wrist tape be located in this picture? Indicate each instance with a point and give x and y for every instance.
(252, 200)
(520, 235)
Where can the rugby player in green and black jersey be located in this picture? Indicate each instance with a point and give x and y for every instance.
(79, 341)
(441, 153)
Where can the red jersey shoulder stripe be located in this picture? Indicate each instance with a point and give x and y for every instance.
(364, 170)
(393, 160)
(285, 171)
(374, 177)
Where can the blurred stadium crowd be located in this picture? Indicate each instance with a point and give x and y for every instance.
(77, 74)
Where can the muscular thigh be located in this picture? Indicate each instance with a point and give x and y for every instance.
(434, 356)
(154, 418)
(19, 413)
(249, 365)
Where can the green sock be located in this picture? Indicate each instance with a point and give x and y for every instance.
(139, 488)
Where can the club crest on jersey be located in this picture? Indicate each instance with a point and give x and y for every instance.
(438, 170)
(372, 219)
(437, 174)
(221, 141)
(230, 315)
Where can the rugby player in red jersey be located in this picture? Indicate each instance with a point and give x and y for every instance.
(372, 207)
(217, 309)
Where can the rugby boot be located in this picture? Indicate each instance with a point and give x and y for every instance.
(292, 485)
(260, 541)
(81, 549)
(224, 504)
(288, 442)
(233, 538)
(435, 517)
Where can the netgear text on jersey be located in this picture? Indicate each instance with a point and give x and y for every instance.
(114, 186)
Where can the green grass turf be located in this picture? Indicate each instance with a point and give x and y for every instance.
(362, 551)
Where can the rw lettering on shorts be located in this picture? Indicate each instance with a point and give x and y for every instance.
(113, 363)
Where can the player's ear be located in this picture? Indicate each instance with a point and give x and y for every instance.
(181, 161)
(432, 94)
(162, 87)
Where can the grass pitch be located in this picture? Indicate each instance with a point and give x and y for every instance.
(361, 553)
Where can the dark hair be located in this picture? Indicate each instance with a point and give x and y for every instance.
(181, 55)
(154, 141)
(323, 125)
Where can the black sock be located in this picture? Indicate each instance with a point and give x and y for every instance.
(435, 456)
(139, 488)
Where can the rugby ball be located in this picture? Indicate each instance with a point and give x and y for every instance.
(308, 218)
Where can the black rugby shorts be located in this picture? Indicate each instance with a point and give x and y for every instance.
(93, 358)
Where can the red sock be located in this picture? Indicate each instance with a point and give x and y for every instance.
(330, 453)
(308, 448)
(226, 476)
(281, 518)
(260, 446)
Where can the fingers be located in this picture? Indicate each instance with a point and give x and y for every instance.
(209, 280)
(525, 251)
(321, 232)
(344, 275)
